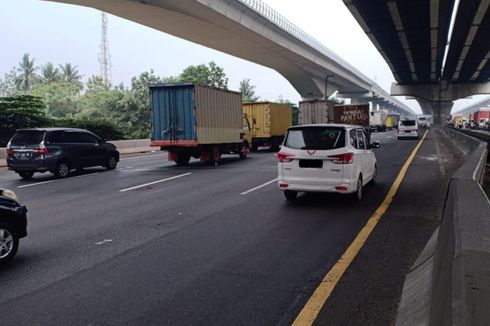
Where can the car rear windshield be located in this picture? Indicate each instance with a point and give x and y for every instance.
(27, 137)
(407, 123)
(318, 138)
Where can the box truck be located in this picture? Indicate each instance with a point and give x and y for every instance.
(378, 120)
(315, 111)
(189, 120)
(268, 123)
(394, 119)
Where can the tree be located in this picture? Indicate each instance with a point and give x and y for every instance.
(70, 74)
(61, 98)
(248, 91)
(16, 112)
(211, 75)
(27, 73)
(8, 86)
(50, 74)
(96, 83)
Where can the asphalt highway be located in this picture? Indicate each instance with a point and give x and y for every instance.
(155, 244)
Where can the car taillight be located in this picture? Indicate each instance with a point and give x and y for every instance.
(41, 149)
(285, 157)
(10, 152)
(346, 158)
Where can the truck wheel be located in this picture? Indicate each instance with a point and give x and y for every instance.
(243, 153)
(183, 159)
(9, 242)
(216, 153)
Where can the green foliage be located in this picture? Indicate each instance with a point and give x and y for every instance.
(211, 75)
(100, 127)
(27, 73)
(61, 98)
(50, 74)
(17, 112)
(8, 86)
(248, 91)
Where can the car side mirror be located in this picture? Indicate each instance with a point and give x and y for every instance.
(375, 144)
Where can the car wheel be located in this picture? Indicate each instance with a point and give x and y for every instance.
(9, 243)
(26, 175)
(375, 175)
(290, 195)
(357, 196)
(62, 169)
(111, 163)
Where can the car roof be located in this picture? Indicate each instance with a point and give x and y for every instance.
(339, 125)
(53, 129)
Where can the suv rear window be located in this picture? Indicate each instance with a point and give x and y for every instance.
(407, 123)
(317, 138)
(27, 137)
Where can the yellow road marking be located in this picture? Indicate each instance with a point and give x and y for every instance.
(312, 308)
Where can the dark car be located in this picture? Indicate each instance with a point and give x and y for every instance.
(58, 150)
(13, 224)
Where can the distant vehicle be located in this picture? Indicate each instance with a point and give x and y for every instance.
(408, 128)
(395, 117)
(424, 120)
(13, 224)
(326, 158)
(378, 120)
(198, 121)
(268, 122)
(58, 150)
(315, 111)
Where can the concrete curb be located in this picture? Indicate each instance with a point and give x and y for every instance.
(450, 282)
(124, 147)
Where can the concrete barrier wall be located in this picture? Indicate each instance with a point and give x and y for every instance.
(450, 282)
(123, 146)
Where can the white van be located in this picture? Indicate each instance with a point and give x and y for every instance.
(408, 128)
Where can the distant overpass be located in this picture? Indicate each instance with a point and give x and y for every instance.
(251, 30)
(485, 103)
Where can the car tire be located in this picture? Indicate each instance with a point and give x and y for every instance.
(111, 162)
(357, 196)
(9, 242)
(26, 175)
(375, 175)
(62, 169)
(290, 195)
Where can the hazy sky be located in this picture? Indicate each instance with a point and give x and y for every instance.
(64, 33)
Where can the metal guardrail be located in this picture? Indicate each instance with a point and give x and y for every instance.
(280, 21)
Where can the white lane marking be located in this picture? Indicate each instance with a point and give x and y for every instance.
(143, 156)
(258, 187)
(36, 184)
(103, 241)
(155, 182)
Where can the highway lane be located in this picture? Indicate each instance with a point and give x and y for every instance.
(191, 250)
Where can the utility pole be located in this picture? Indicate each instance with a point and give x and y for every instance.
(104, 55)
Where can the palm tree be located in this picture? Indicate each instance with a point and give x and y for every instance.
(70, 74)
(248, 91)
(50, 74)
(27, 70)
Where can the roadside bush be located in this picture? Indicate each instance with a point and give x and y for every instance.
(102, 128)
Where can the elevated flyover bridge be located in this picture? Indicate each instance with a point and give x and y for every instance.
(251, 30)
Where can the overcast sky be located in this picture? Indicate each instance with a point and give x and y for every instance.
(64, 33)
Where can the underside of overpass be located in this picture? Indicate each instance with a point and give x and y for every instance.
(433, 60)
(251, 30)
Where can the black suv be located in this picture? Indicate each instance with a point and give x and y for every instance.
(58, 150)
(13, 224)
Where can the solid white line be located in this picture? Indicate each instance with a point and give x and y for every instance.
(36, 184)
(155, 182)
(258, 187)
(143, 156)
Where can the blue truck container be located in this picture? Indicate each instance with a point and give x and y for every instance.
(190, 120)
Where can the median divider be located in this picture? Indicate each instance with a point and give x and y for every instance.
(131, 146)
(449, 283)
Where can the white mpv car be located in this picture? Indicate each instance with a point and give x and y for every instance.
(408, 128)
(326, 158)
